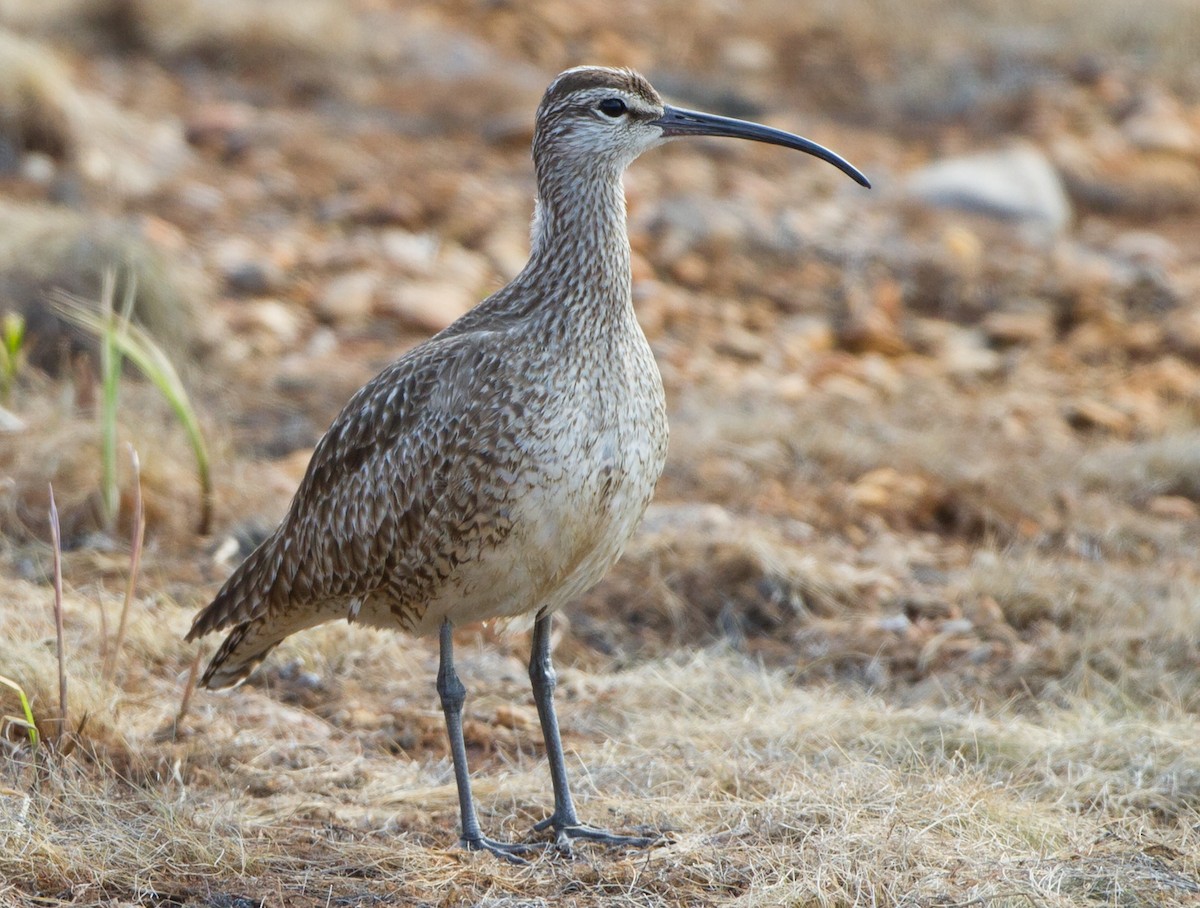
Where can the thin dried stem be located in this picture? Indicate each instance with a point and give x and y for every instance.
(189, 688)
(56, 538)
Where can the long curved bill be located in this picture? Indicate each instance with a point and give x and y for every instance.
(676, 121)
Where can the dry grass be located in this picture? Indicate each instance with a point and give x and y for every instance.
(1169, 465)
(768, 793)
(62, 446)
(45, 249)
(36, 99)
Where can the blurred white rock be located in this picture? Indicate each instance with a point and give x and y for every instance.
(349, 298)
(1015, 184)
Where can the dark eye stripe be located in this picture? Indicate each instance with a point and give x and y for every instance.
(612, 107)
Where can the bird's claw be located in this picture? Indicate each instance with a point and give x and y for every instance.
(564, 832)
(506, 851)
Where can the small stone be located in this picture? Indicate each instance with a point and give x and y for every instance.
(349, 298)
(1091, 414)
(650, 305)
(38, 168)
(1145, 248)
(1017, 184)
(871, 321)
(1115, 178)
(428, 305)
(276, 327)
(747, 55)
(964, 247)
(10, 422)
(1008, 329)
(690, 269)
(965, 354)
(128, 153)
(894, 624)
(887, 489)
(458, 265)
(221, 127)
(1159, 124)
(515, 717)
(686, 517)
(413, 253)
(249, 278)
(1173, 507)
(803, 335)
(741, 344)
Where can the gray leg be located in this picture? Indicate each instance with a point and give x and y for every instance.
(564, 820)
(454, 695)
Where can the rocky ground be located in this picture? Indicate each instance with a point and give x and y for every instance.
(920, 589)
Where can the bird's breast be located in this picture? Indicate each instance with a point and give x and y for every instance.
(592, 444)
(600, 474)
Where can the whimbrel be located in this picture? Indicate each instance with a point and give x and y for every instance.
(500, 467)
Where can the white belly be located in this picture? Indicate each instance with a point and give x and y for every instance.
(569, 526)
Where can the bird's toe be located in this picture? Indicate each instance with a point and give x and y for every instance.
(506, 851)
(565, 832)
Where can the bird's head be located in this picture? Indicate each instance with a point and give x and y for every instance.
(597, 117)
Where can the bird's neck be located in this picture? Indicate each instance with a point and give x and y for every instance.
(580, 247)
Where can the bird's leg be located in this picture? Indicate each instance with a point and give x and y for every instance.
(454, 695)
(564, 821)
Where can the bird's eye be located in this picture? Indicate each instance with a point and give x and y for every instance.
(612, 107)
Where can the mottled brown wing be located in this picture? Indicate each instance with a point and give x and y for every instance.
(372, 488)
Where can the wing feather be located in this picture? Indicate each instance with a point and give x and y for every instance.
(370, 497)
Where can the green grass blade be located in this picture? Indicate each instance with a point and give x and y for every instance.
(141, 349)
(110, 383)
(30, 724)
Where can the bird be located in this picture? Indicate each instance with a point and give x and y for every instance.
(500, 467)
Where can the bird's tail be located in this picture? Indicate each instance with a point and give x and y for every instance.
(238, 656)
(244, 604)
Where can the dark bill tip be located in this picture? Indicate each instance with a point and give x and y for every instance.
(676, 121)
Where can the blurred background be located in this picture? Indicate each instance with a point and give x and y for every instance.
(969, 395)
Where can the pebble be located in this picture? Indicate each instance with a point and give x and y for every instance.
(1015, 184)
(690, 222)
(222, 127)
(10, 422)
(965, 353)
(39, 168)
(413, 253)
(872, 321)
(349, 298)
(1007, 329)
(244, 270)
(1091, 414)
(1159, 124)
(1173, 507)
(741, 344)
(1183, 332)
(430, 305)
(1145, 248)
(276, 325)
(888, 489)
(747, 56)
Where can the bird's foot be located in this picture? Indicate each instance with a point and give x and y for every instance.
(506, 851)
(566, 830)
